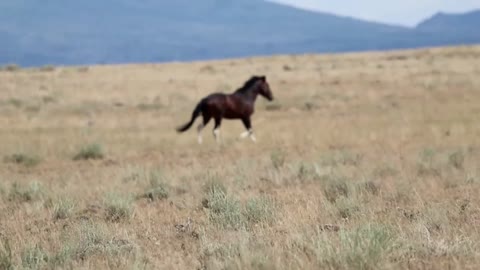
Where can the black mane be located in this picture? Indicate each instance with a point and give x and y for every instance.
(248, 84)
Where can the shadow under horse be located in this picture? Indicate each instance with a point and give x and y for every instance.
(237, 105)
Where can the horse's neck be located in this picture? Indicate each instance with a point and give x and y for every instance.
(249, 95)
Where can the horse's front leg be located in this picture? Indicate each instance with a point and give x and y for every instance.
(249, 133)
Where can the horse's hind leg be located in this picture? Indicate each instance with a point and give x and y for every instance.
(249, 133)
(200, 127)
(216, 129)
(199, 130)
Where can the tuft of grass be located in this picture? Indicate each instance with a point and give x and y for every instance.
(342, 157)
(90, 239)
(426, 166)
(32, 192)
(62, 257)
(149, 106)
(118, 207)
(140, 262)
(385, 171)
(310, 106)
(158, 192)
(456, 160)
(91, 151)
(208, 69)
(3, 192)
(6, 255)
(347, 207)
(214, 185)
(63, 208)
(273, 106)
(368, 187)
(428, 155)
(403, 194)
(134, 174)
(156, 177)
(33, 108)
(225, 211)
(158, 189)
(221, 253)
(11, 67)
(94, 239)
(47, 68)
(260, 210)
(23, 159)
(87, 240)
(427, 170)
(435, 219)
(287, 68)
(367, 247)
(48, 99)
(307, 172)
(278, 158)
(17, 103)
(34, 258)
(335, 187)
(83, 69)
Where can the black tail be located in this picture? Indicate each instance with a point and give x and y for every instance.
(195, 114)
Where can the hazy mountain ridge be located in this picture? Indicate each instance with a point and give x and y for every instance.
(122, 31)
(467, 22)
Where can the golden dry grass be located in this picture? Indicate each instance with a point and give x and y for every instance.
(364, 161)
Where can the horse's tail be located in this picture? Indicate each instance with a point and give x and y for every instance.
(195, 114)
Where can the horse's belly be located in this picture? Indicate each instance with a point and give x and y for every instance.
(236, 114)
(232, 115)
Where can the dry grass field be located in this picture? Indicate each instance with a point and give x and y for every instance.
(363, 161)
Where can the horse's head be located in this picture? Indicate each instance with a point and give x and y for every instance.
(264, 88)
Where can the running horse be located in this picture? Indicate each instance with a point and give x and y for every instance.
(237, 105)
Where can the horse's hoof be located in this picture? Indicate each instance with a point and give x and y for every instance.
(244, 135)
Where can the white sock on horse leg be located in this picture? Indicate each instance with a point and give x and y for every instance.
(216, 133)
(245, 134)
(252, 137)
(199, 129)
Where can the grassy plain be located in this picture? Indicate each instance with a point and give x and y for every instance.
(364, 161)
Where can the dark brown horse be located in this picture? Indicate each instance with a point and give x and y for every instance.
(237, 105)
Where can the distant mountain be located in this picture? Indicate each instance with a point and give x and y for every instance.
(72, 32)
(453, 23)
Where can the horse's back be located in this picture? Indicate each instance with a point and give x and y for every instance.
(216, 95)
(215, 98)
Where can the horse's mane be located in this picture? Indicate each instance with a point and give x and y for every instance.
(248, 84)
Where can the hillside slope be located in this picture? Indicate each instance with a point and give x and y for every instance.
(89, 32)
(459, 23)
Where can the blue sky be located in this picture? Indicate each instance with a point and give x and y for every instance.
(403, 12)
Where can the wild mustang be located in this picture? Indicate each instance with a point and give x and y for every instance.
(237, 105)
